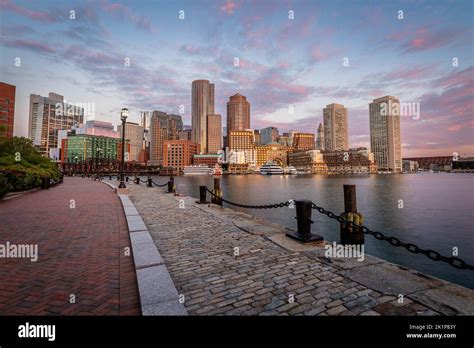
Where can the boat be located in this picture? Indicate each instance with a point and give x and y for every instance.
(197, 170)
(271, 168)
(290, 170)
(303, 172)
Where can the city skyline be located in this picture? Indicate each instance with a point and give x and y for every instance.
(287, 76)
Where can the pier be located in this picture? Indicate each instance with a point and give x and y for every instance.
(188, 256)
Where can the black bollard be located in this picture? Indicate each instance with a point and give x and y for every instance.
(150, 182)
(217, 191)
(202, 195)
(303, 219)
(126, 179)
(351, 235)
(137, 180)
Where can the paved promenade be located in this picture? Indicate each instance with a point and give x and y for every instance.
(82, 268)
(228, 263)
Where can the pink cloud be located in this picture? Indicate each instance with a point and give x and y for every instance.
(229, 7)
(28, 44)
(424, 39)
(122, 11)
(455, 128)
(34, 15)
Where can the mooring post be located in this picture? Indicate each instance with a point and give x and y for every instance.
(202, 195)
(171, 185)
(303, 220)
(351, 235)
(217, 191)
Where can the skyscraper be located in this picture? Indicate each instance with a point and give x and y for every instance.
(385, 141)
(238, 113)
(214, 133)
(336, 127)
(134, 133)
(48, 115)
(7, 109)
(202, 105)
(320, 138)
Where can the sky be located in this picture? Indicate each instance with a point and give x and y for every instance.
(294, 58)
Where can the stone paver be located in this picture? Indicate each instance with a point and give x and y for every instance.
(81, 253)
(222, 268)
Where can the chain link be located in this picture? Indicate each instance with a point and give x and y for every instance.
(159, 185)
(433, 255)
(265, 206)
(412, 248)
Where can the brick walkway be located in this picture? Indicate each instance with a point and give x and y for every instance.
(81, 253)
(198, 245)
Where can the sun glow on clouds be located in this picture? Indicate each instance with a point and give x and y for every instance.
(284, 63)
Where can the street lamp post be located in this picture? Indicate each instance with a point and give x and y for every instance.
(98, 151)
(123, 116)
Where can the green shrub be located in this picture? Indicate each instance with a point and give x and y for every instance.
(25, 173)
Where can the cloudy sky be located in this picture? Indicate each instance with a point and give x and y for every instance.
(289, 69)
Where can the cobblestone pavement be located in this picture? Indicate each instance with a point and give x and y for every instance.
(80, 253)
(199, 247)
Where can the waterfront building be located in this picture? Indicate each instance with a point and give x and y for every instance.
(385, 140)
(206, 159)
(352, 161)
(238, 113)
(302, 141)
(241, 145)
(81, 147)
(272, 152)
(202, 105)
(134, 133)
(311, 161)
(463, 165)
(268, 135)
(214, 133)
(427, 163)
(163, 127)
(241, 140)
(320, 138)
(410, 166)
(336, 127)
(179, 154)
(48, 115)
(7, 109)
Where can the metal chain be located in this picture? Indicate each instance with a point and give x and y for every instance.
(433, 255)
(159, 185)
(265, 206)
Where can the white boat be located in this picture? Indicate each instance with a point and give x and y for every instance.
(197, 170)
(303, 172)
(271, 168)
(290, 170)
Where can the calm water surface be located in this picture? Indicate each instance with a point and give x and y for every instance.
(437, 213)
